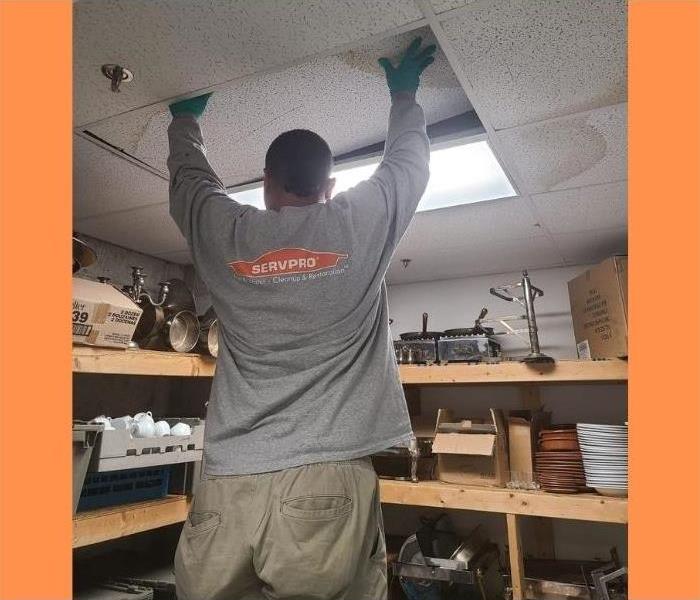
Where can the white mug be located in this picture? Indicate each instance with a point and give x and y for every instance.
(106, 421)
(144, 428)
(124, 422)
(181, 429)
(144, 416)
(162, 428)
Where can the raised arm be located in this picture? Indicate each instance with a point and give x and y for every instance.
(198, 200)
(398, 184)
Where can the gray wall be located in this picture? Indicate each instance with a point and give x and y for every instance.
(115, 262)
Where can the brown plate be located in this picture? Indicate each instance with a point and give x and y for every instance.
(561, 472)
(547, 444)
(558, 454)
(559, 429)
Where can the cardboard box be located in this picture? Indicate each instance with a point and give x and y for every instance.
(523, 428)
(474, 451)
(598, 300)
(102, 315)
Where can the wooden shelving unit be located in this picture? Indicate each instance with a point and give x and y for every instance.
(97, 526)
(94, 526)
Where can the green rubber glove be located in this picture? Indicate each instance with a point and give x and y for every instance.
(191, 106)
(406, 77)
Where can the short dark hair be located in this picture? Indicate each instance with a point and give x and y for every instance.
(300, 161)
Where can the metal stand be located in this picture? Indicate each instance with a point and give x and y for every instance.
(529, 293)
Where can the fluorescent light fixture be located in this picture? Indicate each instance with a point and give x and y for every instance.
(461, 173)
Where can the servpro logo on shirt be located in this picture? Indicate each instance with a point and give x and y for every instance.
(287, 261)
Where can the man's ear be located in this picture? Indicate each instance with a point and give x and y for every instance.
(330, 184)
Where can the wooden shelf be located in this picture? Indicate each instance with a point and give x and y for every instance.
(87, 359)
(582, 507)
(562, 371)
(93, 526)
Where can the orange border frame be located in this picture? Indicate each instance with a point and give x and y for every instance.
(664, 395)
(35, 175)
(35, 510)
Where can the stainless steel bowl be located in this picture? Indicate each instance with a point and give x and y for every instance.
(213, 338)
(182, 331)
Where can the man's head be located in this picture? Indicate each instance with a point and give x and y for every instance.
(298, 165)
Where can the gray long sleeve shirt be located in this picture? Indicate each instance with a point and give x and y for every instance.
(306, 370)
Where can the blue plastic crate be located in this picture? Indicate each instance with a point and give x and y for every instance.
(122, 487)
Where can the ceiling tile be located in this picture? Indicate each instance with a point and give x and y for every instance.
(470, 226)
(104, 182)
(441, 6)
(150, 230)
(583, 209)
(499, 256)
(344, 98)
(591, 246)
(579, 150)
(539, 59)
(176, 46)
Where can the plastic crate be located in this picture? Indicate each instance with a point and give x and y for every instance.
(123, 487)
(85, 436)
(116, 450)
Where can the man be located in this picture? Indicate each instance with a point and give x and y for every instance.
(306, 384)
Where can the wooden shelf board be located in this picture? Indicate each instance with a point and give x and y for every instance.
(562, 371)
(87, 359)
(583, 507)
(93, 526)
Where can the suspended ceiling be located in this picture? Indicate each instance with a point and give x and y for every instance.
(547, 79)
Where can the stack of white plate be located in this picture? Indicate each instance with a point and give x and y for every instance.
(604, 452)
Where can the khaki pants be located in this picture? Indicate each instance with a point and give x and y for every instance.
(309, 533)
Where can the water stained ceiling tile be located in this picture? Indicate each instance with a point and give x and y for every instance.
(575, 151)
(104, 182)
(179, 46)
(541, 59)
(343, 97)
(593, 207)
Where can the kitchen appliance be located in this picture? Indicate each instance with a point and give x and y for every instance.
(526, 298)
(434, 564)
(418, 347)
(469, 344)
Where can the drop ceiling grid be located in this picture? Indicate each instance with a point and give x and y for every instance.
(595, 64)
(554, 238)
(475, 97)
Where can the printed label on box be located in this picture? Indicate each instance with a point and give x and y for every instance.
(584, 350)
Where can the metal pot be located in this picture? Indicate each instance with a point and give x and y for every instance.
(83, 255)
(213, 338)
(181, 331)
(150, 323)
